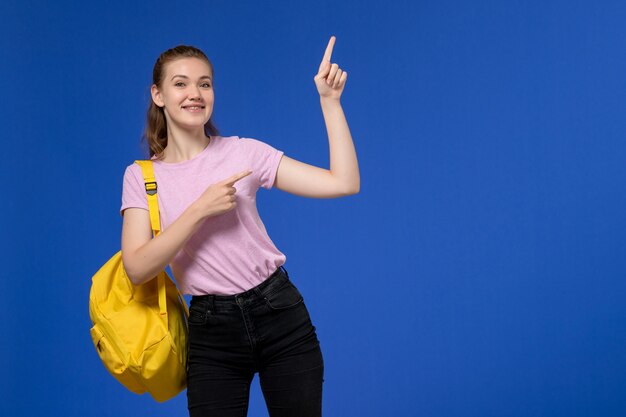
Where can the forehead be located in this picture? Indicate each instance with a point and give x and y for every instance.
(191, 67)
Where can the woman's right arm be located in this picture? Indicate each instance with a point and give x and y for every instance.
(144, 256)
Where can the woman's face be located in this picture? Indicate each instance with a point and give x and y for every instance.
(186, 93)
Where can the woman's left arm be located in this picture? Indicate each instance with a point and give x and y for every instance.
(342, 178)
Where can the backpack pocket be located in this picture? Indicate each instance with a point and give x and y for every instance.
(113, 361)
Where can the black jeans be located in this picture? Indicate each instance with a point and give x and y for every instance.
(266, 329)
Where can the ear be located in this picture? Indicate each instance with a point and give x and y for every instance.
(156, 95)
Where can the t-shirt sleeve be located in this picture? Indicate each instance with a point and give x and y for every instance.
(133, 189)
(264, 160)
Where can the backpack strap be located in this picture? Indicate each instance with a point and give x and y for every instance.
(151, 193)
(155, 222)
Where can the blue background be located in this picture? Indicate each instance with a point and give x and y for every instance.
(480, 270)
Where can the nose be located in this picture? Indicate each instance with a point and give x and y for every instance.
(195, 94)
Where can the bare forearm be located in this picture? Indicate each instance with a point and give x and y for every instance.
(158, 252)
(343, 161)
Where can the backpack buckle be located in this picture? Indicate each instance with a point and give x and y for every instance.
(151, 188)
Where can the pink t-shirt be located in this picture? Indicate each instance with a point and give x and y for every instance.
(228, 253)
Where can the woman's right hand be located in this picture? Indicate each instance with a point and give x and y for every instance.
(219, 198)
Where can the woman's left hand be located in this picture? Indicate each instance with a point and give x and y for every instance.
(330, 79)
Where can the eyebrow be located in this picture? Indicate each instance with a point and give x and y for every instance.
(184, 76)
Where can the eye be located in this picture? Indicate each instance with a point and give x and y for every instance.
(179, 83)
(207, 85)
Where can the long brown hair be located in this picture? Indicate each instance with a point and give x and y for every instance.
(155, 132)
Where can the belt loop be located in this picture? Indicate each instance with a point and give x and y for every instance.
(211, 309)
(258, 292)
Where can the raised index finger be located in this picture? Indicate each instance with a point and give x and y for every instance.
(236, 177)
(329, 48)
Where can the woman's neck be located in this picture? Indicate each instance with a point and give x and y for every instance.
(184, 145)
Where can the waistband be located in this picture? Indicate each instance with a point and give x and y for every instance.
(268, 286)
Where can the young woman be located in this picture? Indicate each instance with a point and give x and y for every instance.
(246, 315)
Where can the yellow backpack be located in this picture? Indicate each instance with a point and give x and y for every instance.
(140, 331)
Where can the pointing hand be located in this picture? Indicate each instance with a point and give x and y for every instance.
(330, 79)
(220, 197)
